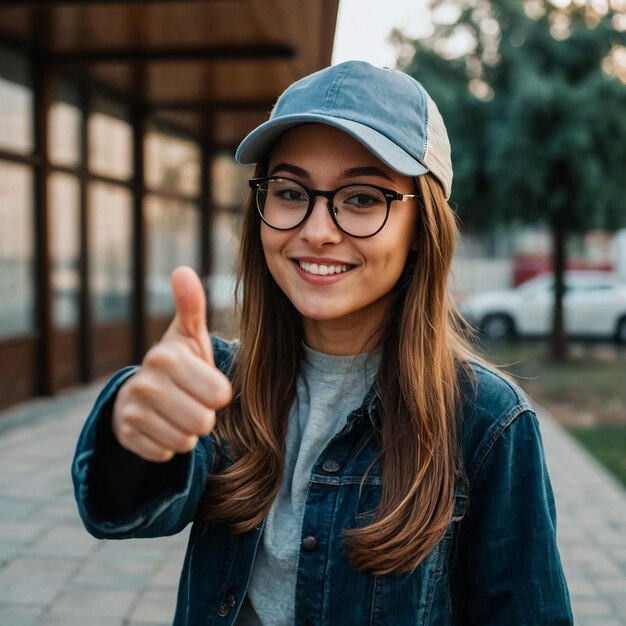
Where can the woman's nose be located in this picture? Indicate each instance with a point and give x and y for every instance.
(319, 227)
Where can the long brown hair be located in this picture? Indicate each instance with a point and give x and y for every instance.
(423, 347)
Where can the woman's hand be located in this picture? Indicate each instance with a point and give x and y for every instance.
(171, 401)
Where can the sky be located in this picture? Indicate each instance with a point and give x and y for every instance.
(363, 27)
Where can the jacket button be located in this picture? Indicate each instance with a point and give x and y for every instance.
(309, 543)
(224, 610)
(331, 466)
(231, 600)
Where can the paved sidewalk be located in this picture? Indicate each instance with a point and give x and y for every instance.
(591, 507)
(53, 573)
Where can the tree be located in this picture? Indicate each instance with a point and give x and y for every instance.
(537, 125)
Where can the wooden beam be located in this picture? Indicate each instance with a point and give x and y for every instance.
(139, 235)
(43, 99)
(26, 159)
(59, 3)
(213, 106)
(206, 209)
(247, 52)
(86, 357)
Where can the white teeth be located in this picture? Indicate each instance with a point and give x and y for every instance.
(322, 270)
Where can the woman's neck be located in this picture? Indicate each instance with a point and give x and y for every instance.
(341, 337)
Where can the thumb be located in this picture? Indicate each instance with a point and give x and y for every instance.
(190, 303)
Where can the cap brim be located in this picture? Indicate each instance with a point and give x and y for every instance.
(257, 144)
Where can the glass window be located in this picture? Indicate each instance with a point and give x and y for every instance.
(229, 182)
(64, 206)
(110, 141)
(17, 283)
(110, 262)
(225, 230)
(16, 103)
(172, 163)
(172, 238)
(64, 127)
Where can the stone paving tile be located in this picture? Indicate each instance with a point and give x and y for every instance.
(619, 602)
(613, 586)
(34, 581)
(594, 561)
(35, 486)
(110, 575)
(65, 619)
(591, 608)
(15, 615)
(17, 509)
(61, 511)
(108, 602)
(21, 531)
(154, 606)
(65, 541)
(581, 588)
(9, 550)
(619, 556)
(135, 550)
(168, 572)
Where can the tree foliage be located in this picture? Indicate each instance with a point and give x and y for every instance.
(551, 132)
(538, 127)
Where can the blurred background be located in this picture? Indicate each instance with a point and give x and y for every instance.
(118, 123)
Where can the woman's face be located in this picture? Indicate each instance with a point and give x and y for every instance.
(357, 298)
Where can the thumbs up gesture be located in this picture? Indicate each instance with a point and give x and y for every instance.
(171, 401)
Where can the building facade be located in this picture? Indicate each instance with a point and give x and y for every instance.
(118, 122)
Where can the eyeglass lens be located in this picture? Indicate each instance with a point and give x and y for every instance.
(360, 210)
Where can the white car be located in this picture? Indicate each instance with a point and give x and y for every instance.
(594, 306)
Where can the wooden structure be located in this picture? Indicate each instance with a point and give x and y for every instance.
(209, 70)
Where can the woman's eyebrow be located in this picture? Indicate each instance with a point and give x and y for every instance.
(292, 169)
(367, 170)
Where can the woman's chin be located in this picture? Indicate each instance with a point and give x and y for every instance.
(319, 315)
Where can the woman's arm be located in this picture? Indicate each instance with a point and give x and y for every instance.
(121, 495)
(511, 565)
(142, 458)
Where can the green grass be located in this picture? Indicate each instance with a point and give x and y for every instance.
(587, 394)
(592, 381)
(607, 444)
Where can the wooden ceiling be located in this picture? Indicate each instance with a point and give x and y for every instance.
(212, 66)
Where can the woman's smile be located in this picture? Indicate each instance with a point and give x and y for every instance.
(322, 271)
(322, 267)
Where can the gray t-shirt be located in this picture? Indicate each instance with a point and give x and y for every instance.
(328, 389)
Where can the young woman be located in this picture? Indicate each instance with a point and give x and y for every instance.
(349, 461)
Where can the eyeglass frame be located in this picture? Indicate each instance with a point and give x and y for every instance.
(391, 195)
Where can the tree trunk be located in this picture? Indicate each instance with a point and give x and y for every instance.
(558, 341)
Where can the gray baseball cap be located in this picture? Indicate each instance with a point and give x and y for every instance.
(386, 110)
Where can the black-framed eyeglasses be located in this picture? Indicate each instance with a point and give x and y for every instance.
(357, 210)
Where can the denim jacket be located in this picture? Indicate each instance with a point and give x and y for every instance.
(498, 562)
